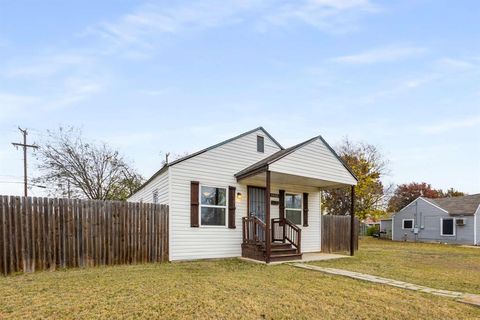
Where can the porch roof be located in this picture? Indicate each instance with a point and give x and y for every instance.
(310, 163)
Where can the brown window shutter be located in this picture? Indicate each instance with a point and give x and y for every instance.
(305, 209)
(194, 204)
(281, 204)
(231, 207)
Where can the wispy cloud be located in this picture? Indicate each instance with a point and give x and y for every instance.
(54, 80)
(332, 16)
(150, 21)
(14, 104)
(74, 91)
(379, 55)
(452, 124)
(146, 24)
(48, 65)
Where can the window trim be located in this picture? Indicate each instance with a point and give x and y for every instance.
(294, 209)
(200, 205)
(454, 227)
(403, 224)
(155, 194)
(263, 142)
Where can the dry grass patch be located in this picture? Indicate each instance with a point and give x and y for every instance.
(435, 265)
(228, 289)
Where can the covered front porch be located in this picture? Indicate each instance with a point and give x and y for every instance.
(294, 178)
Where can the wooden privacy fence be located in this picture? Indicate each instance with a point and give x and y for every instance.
(45, 233)
(336, 233)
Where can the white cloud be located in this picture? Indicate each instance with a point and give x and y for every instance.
(74, 91)
(455, 64)
(48, 65)
(138, 27)
(14, 105)
(332, 16)
(384, 54)
(143, 27)
(53, 81)
(452, 124)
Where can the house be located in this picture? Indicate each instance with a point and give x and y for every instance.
(448, 220)
(370, 222)
(247, 196)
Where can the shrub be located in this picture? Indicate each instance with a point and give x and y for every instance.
(373, 229)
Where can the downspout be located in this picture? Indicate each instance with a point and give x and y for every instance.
(415, 225)
(475, 226)
(393, 225)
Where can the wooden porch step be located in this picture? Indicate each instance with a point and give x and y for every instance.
(286, 257)
(282, 251)
(278, 245)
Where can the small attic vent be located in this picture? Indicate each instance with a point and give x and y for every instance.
(460, 221)
(260, 144)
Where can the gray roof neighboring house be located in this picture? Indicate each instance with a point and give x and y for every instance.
(464, 205)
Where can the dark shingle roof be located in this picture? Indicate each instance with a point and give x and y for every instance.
(165, 166)
(465, 205)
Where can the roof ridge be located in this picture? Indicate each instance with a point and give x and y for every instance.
(166, 165)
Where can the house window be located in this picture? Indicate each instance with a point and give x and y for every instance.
(213, 206)
(260, 144)
(293, 207)
(407, 224)
(447, 227)
(155, 196)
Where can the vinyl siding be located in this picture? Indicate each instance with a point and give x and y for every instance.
(314, 160)
(427, 218)
(215, 167)
(146, 193)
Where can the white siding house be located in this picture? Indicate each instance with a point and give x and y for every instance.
(211, 193)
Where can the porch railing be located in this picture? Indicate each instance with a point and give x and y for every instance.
(284, 230)
(253, 230)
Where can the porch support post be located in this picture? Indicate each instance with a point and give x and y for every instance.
(268, 235)
(352, 222)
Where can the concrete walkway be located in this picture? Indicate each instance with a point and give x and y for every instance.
(473, 299)
(306, 257)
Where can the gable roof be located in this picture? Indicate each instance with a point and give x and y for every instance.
(464, 205)
(282, 153)
(167, 165)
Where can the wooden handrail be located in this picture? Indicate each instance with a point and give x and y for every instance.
(253, 230)
(284, 230)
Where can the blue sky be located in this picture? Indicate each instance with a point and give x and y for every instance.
(150, 77)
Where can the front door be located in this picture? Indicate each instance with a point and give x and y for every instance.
(256, 202)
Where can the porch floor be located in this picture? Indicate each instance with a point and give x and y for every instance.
(306, 257)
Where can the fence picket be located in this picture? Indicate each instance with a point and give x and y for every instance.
(336, 233)
(46, 233)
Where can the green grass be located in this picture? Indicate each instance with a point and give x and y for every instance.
(225, 289)
(436, 265)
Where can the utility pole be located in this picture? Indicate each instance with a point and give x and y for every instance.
(25, 146)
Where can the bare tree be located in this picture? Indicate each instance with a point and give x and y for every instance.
(72, 167)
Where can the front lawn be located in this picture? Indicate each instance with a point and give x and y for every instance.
(435, 265)
(213, 289)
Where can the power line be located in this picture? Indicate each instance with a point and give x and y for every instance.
(24, 145)
(31, 184)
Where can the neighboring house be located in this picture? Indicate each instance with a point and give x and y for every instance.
(448, 220)
(370, 222)
(225, 199)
